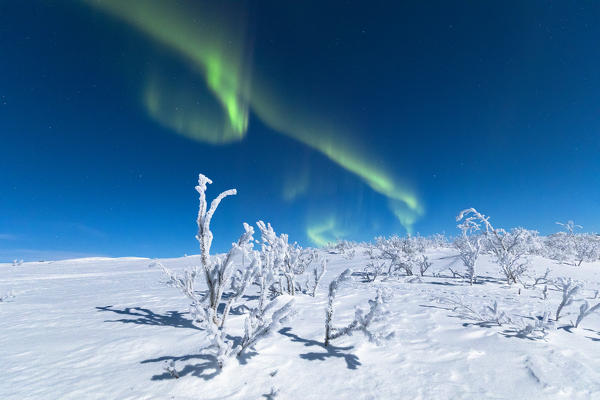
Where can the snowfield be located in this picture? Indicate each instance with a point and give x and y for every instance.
(103, 328)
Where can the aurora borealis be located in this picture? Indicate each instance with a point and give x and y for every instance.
(342, 120)
(220, 55)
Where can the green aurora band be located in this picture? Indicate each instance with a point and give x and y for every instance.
(218, 52)
(205, 45)
(325, 232)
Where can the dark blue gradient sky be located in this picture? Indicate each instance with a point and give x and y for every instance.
(493, 105)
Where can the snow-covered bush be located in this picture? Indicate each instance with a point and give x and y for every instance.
(343, 247)
(423, 264)
(438, 241)
(170, 368)
(585, 310)
(364, 321)
(558, 246)
(285, 262)
(538, 329)
(486, 315)
(404, 254)
(468, 244)
(508, 248)
(536, 280)
(7, 296)
(318, 271)
(569, 288)
(571, 247)
(586, 247)
(211, 308)
(373, 270)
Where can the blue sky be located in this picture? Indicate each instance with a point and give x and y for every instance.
(491, 105)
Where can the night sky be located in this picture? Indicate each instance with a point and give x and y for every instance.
(333, 119)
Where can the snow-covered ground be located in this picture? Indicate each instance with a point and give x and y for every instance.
(102, 329)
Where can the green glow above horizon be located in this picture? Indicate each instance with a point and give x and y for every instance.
(215, 47)
(325, 232)
(306, 127)
(194, 117)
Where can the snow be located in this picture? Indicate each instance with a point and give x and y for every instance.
(102, 328)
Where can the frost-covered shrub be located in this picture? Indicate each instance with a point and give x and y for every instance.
(438, 241)
(571, 247)
(586, 247)
(343, 247)
(284, 263)
(364, 321)
(536, 280)
(170, 368)
(423, 264)
(7, 296)
(373, 270)
(404, 254)
(569, 288)
(485, 315)
(508, 248)
(585, 310)
(558, 246)
(538, 329)
(468, 244)
(318, 271)
(211, 308)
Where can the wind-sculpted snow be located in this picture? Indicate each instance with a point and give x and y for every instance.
(107, 328)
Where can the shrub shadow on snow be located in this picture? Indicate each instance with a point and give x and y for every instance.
(445, 283)
(352, 361)
(148, 317)
(207, 369)
(571, 328)
(482, 324)
(515, 333)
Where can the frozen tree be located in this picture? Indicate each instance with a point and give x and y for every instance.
(569, 227)
(468, 244)
(364, 321)
(585, 310)
(423, 264)
(508, 248)
(569, 288)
